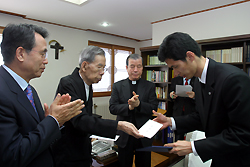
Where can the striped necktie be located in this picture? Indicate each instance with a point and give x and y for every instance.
(29, 94)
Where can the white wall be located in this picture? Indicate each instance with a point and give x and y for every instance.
(145, 43)
(228, 21)
(73, 41)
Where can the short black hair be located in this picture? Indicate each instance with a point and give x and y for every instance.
(176, 45)
(135, 57)
(19, 35)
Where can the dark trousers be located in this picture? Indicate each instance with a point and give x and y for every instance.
(126, 154)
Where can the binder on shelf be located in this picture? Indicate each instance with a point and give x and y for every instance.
(248, 53)
(169, 135)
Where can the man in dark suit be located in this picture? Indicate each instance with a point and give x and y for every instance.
(222, 97)
(74, 148)
(26, 132)
(181, 105)
(133, 100)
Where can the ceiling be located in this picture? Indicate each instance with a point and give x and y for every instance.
(127, 18)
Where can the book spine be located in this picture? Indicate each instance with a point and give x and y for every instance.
(170, 135)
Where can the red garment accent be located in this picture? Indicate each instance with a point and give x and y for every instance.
(186, 83)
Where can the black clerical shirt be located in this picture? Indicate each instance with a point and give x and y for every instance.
(133, 87)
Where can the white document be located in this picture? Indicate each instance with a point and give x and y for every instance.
(182, 89)
(150, 128)
(104, 138)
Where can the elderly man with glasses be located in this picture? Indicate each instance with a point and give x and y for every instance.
(74, 148)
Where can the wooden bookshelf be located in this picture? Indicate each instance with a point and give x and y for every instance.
(225, 43)
(147, 66)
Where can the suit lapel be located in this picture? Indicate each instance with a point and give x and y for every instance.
(38, 104)
(24, 101)
(20, 94)
(199, 101)
(141, 88)
(79, 85)
(209, 90)
(90, 93)
(126, 89)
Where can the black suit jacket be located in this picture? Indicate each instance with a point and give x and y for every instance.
(223, 115)
(179, 102)
(74, 148)
(118, 105)
(24, 139)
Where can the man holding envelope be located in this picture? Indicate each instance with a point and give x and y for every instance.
(182, 99)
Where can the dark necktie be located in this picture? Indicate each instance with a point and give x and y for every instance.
(29, 94)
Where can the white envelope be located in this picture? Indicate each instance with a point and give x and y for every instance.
(150, 128)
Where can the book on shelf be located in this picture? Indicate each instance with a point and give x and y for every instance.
(153, 60)
(226, 55)
(161, 92)
(162, 105)
(170, 135)
(248, 71)
(248, 53)
(157, 76)
(173, 75)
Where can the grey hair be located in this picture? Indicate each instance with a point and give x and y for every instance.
(135, 57)
(88, 54)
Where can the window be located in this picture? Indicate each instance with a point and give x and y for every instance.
(1, 57)
(116, 67)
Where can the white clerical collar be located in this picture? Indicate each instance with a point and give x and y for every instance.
(204, 72)
(86, 88)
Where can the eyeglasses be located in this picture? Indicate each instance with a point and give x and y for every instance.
(44, 54)
(100, 69)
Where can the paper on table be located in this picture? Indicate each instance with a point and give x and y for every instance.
(182, 89)
(104, 138)
(150, 128)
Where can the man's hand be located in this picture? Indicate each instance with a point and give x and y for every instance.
(134, 101)
(181, 147)
(166, 121)
(129, 128)
(173, 95)
(63, 100)
(63, 110)
(191, 94)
